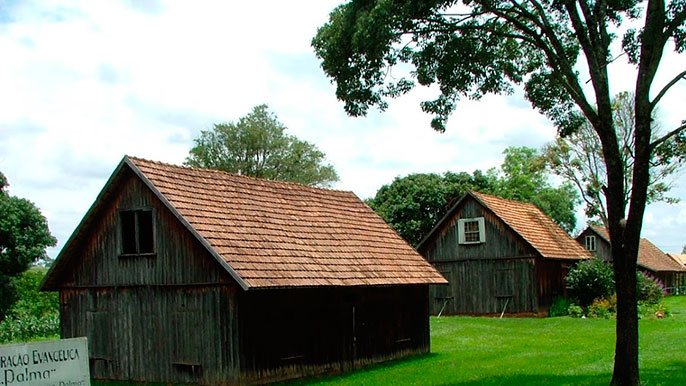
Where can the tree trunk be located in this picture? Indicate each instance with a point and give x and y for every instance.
(625, 370)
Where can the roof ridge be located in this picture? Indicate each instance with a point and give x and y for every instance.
(240, 176)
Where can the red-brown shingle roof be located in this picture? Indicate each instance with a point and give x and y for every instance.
(649, 256)
(535, 227)
(278, 234)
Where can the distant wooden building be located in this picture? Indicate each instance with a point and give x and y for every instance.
(651, 259)
(199, 276)
(499, 256)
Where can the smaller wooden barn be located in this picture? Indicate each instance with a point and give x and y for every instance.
(182, 275)
(498, 256)
(651, 259)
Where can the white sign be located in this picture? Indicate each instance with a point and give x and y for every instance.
(49, 363)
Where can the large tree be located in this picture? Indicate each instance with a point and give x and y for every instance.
(24, 235)
(258, 146)
(473, 47)
(579, 159)
(413, 204)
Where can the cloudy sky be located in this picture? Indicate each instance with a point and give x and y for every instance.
(82, 83)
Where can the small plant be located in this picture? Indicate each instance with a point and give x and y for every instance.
(590, 279)
(28, 328)
(600, 308)
(560, 306)
(575, 311)
(650, 289)
(653, 311)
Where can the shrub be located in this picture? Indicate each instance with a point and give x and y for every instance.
(600, 308)
(559, 307)
(650, 289)
(28, 328)
(575, 311)
(590, 279)
(653, 311)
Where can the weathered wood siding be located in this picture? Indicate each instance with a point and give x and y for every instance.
(603, 249)
(164, 317)
(155, 334)
(484, 278)
(550, 274)
(297, 332)
(178, 259)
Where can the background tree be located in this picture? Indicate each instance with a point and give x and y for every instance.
(473, 47)
(523, 176)
(24, 235)
(258, 146)
(578, 158)
(413, 204)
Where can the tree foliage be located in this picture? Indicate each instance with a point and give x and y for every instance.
(579, 159)
(470, 48)
(413, 204)
(24, 235)
(258, 146)
(523, 176)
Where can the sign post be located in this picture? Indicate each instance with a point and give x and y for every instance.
(49, 363)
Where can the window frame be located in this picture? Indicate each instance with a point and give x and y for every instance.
(137, 232)
(593, 240)
(462, 224)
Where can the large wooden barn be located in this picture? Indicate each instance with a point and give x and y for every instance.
(651, 259)
(199, 276)
(500, 256)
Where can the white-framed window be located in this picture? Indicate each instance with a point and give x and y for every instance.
(590, 243)
(471, 230)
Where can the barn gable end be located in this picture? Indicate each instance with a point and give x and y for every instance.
(517, 267)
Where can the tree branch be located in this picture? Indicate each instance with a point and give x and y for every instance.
(664, 90)
(662, 139)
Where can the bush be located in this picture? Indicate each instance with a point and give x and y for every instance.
(600, 308)
(28, 328)
(653, 311)
(650, 289)
(34, 314)
(559, 307)
(575, 311)
(590, 279)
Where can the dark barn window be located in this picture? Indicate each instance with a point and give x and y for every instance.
(137, 232)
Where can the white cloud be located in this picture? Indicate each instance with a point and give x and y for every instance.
(82, 83)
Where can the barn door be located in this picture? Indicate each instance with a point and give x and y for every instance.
(504, 287)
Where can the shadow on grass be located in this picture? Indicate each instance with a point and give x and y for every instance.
(323, 378)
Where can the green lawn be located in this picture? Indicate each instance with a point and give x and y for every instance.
(528, 351)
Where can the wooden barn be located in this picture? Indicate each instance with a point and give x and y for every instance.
(651, 259)
(181, 275)
(500, 256)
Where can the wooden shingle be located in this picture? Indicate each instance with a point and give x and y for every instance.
(280, 234)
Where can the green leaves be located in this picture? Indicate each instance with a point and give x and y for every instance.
(258, 146)
(24, 235)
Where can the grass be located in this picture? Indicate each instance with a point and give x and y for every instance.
(515, 351)
(531, 351)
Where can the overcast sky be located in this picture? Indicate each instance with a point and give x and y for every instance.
(82, 83)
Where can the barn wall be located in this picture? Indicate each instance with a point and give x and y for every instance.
(155, 334)
(484, 278)
(550, 283)
(485, 287)
(603, 248)
(178, 259)
(297, 332)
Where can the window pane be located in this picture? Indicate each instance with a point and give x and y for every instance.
(128, 231)
(145, 234)
(471, 231)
